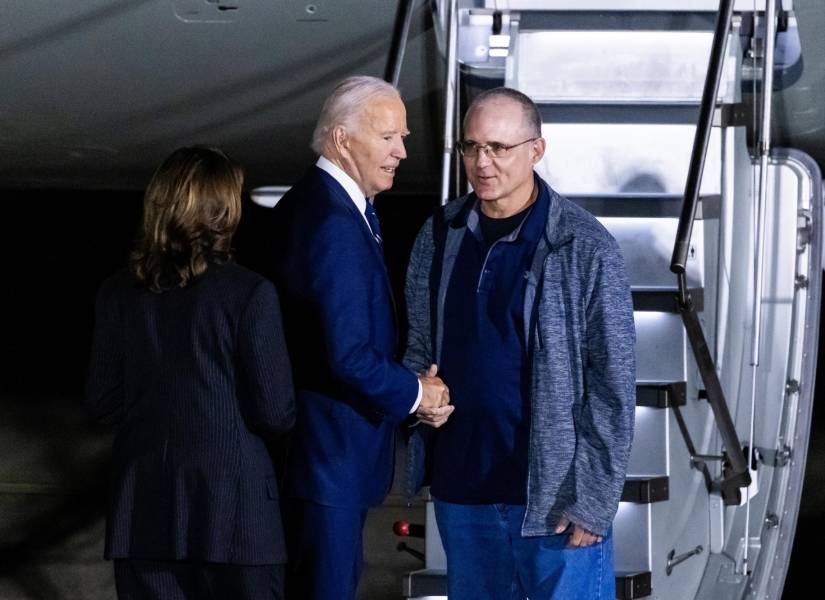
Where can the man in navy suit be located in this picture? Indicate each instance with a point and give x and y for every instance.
(340, 324)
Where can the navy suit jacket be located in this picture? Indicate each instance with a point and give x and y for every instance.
(195, 378)
(341, 333)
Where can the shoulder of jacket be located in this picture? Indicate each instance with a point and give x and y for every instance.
(585, 227)
(120, 282)
(237, 279)
(452, 208)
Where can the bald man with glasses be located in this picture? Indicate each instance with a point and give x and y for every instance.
(521, 298)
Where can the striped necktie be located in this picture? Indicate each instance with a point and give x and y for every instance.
(372, 219)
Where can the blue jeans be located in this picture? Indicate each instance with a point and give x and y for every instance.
(488, 558)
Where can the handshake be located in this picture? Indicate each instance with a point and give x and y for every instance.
(434, 409)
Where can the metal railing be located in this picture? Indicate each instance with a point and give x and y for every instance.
(736, 473)
(401, 31)
(451, 99)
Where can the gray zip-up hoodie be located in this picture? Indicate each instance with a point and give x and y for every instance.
(578, 315)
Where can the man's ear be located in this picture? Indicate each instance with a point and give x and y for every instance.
(340, 138)
(539, 146)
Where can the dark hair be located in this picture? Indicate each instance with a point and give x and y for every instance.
(532, 116)
(191, 209)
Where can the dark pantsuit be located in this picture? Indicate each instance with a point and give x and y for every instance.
(198, 380)
(178, 580)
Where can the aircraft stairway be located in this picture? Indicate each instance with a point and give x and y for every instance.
(620, 86)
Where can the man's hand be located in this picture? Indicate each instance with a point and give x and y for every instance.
(435, 393)
(580, 537)
(434, 409)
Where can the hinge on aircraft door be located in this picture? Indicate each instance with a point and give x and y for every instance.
(792, 386)
(804, 229)
(774, 457)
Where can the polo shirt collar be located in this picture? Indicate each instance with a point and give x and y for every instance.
(531, 227)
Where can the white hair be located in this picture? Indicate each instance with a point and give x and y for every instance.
(346, 103)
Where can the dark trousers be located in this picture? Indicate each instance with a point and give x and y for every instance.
(178, 580)
(324, 544)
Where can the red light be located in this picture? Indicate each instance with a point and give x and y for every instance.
(401, 528)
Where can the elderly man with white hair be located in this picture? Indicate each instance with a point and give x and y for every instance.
(341, 333)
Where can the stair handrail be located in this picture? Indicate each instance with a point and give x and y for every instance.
(736, 474)
(702, 137)
(401, 31)
(450, 99)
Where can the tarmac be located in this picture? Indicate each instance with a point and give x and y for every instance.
(53, 482)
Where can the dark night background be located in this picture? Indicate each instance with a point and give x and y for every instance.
(57, 246)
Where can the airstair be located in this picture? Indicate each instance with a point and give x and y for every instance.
(709, 508)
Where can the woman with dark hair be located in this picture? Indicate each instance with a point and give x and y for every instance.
(189, 361)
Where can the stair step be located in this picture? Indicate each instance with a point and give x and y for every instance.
(645, 206)
(433, 582)
(632, 585)
(595, 156)
(646, 490)
(588, 76)
(661, 395)
(615, 15)
(423, 583)
(645, 237)
(629, 112)
(664, 300)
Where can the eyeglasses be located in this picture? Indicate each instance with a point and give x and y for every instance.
(471, 149)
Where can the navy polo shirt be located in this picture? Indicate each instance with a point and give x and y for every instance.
(480, 454)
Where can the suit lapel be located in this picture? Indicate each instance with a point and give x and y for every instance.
(339, 195)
